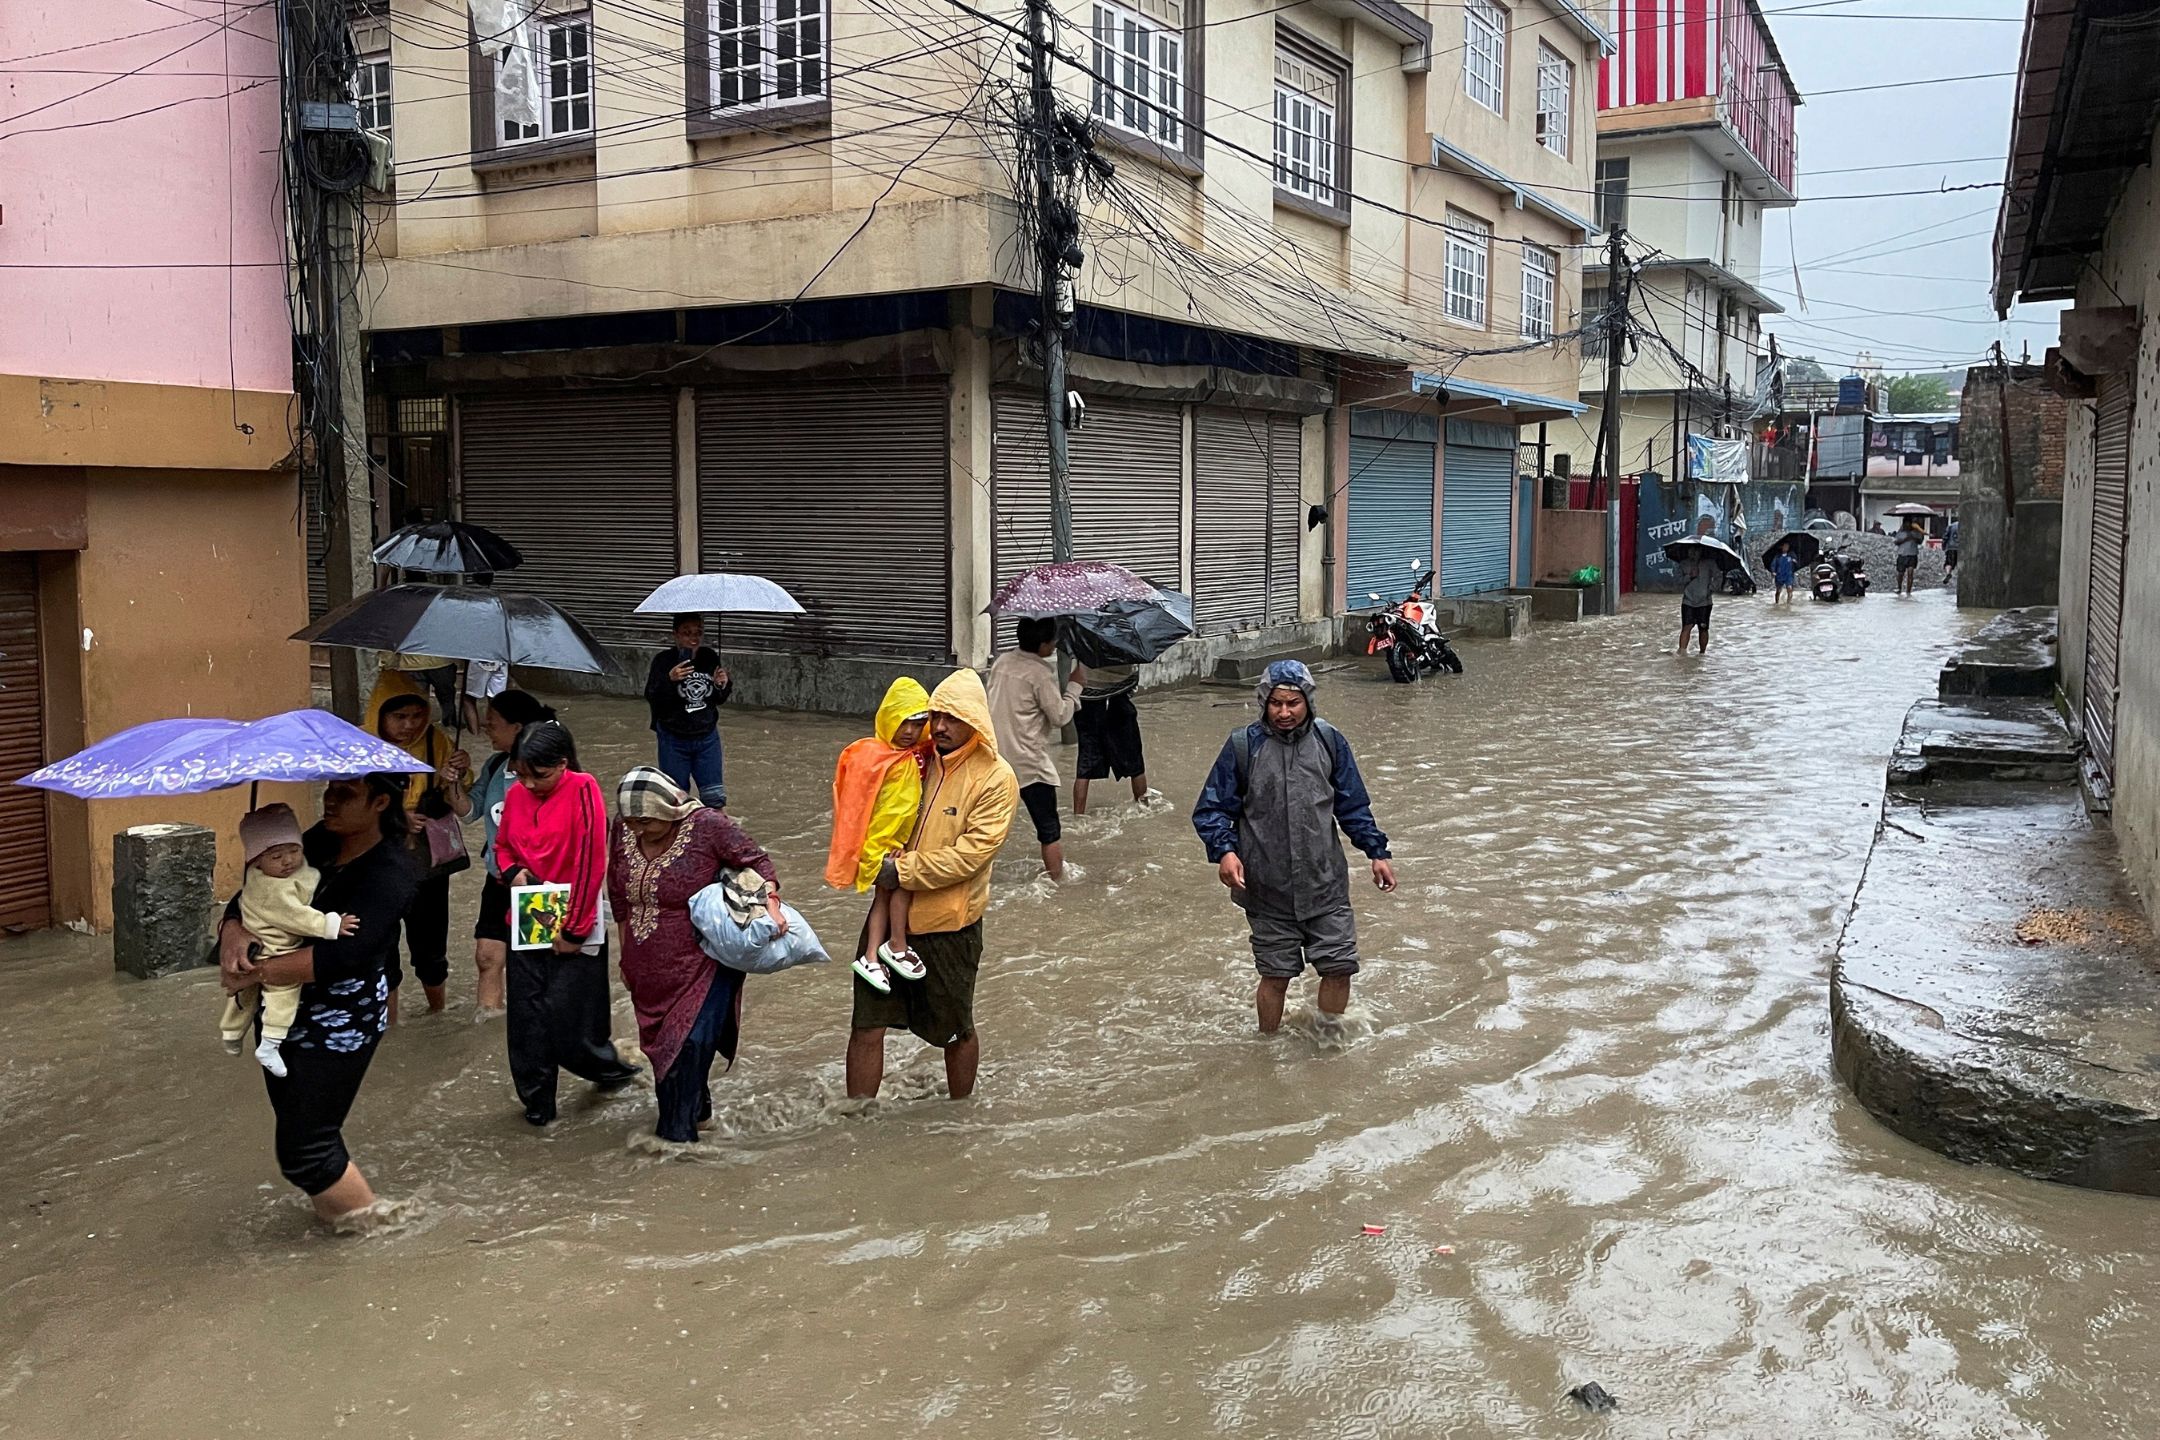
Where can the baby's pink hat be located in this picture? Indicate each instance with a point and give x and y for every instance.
(261, 829)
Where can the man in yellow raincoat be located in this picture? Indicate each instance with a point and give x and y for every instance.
(969, 796)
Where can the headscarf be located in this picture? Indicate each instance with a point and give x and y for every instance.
(648, 794)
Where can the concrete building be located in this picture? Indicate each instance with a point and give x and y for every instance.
(1695, 142)
(150, 561)
(2018, 476)
(658, 287)
(2081, 222)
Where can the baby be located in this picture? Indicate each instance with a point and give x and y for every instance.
(276, 907)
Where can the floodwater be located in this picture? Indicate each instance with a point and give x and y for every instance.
(1585, 1089)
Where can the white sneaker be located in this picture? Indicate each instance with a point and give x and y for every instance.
(266, 1055)
(873, 974)
(906, 962)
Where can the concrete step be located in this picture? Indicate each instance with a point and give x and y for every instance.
(2010, 739)
(2013, 654)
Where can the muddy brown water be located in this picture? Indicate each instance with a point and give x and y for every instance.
(1589, 1054)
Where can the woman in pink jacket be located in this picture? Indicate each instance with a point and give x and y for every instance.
(554, 832)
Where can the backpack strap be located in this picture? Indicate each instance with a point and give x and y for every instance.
(1329, 736)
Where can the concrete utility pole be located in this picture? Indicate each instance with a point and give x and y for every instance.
(1055, 241)
(349, 527)
(1609, 441)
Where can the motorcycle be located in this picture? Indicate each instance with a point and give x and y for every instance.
(1852, 571)
(1407, 635)
(1838, 576)
(1824, 582)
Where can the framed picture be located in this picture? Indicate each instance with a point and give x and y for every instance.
(537, 913)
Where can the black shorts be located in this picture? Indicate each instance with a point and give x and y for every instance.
(1109, 739)
(494, 921)
(1950, 559)
(1042, 807)
(1694, 615)
(1908, 562)
(938, 1009)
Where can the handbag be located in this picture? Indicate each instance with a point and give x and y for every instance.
(446, 853)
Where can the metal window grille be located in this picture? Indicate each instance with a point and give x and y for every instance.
(1469, 248)
(766, 52)
(1538, 274)
(1305, 145)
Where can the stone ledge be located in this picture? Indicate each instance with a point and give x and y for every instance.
(1966, 738)
(1996, 991)
(2013, 654)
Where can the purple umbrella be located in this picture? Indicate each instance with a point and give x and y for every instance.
(1069, 587)
(188, 757)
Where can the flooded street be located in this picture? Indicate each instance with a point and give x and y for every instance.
(1589, 1053)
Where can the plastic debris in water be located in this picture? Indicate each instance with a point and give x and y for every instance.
(1594, 1398)
(1443, 1249)
(1376, 1229)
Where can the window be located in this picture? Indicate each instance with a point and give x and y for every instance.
(1612, 178)
(544, 88)
(1469, 252)
(1594, 300)
(1145, 57)
(766, 52)
(1555, 99)
(371, 91)
(1484, 61)
(1540, 269)
(1309, 143)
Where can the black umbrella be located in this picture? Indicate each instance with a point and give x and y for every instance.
(458, 623)
(1691, 546)
(1802, 545)
(448, 547)
(1128, 632)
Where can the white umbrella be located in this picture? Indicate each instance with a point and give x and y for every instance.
(1912, 507)
(1686, 547)
(720, 593)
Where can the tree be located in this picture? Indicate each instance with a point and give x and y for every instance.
(1919, 394)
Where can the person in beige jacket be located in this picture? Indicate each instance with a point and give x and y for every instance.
(1029, 710)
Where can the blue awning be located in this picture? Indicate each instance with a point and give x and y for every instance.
(1422, 384)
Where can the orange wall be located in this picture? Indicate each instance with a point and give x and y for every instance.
(191, 583)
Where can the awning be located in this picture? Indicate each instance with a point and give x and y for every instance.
(1506, 399)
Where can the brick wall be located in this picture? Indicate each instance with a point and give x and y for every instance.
(2037, 416)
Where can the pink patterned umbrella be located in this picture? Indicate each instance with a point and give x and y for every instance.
(1069, 587)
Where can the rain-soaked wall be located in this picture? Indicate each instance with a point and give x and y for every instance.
(1670, 509)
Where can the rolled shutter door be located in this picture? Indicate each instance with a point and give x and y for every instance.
(1477, 486)
(1127, 488)
(1232, 476)
(25, 860)
(2110, 539)
(1286, 515)
(841, 494)
(1391, 513)
(583, 483)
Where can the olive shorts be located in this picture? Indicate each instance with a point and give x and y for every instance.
(938, 1009)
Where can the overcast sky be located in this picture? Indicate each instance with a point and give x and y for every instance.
(1906, 277)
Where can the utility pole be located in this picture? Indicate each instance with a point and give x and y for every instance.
(1056, 245)
(1609, 440)
(325, 167)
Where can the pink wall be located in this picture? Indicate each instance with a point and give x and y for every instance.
(87, 180)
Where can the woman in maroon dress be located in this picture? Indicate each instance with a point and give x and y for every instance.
(667, 847)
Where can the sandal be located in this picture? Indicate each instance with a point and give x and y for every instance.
(873, 974)
(907, 963)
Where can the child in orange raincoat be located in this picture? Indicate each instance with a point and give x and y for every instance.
(877, 790)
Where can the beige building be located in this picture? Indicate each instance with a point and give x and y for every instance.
(2081, 222)
(743, 284)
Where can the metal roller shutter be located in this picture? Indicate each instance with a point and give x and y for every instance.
(1391, 505)
(1128, 463)
(840, 493)
(1477, 491)
(1286, 515)
(2110, 538)
(583, 483)
(1231, 483)
(25, 862)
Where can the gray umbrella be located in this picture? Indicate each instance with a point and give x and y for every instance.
(460, 623)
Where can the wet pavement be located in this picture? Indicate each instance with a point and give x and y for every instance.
(1586, 1090)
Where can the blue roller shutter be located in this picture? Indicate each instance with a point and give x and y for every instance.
(1391, 509)
(1477, 491)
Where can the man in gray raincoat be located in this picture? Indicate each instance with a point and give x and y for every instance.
(1269, 816)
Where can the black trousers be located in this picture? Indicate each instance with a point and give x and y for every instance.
(427, 934)
(685, 1092)
(312, 1099)
(558, 1020)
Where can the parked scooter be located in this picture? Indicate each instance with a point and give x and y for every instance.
(1407, 634)
(1852, 572)
(1824, 581)
(1839, 576)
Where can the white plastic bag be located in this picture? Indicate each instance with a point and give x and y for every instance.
(753, 948)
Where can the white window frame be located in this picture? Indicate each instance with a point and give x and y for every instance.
(1146, 58)
(560, 95)
(1555, 99)
(1469, 267)
(1484, 61)
(368, 98)
(1610, 169)
(1540, 292)
(768, 30)
(1306, 134)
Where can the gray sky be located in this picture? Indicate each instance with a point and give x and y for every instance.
(1905, 277)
